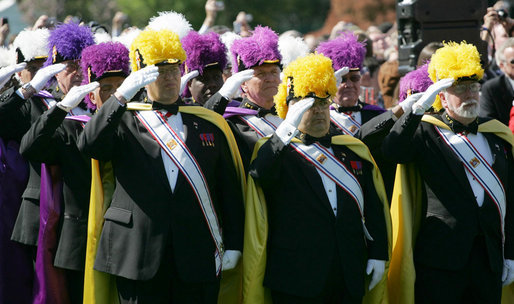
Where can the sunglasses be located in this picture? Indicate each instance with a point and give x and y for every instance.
(353, 78)
(473, 87)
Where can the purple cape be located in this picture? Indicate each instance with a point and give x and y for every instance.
(16, 269)
(50, 285)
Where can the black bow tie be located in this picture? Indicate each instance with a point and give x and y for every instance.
(172, 108)
(262, 112)
(457, 127)
(356, 108)
(309, 140)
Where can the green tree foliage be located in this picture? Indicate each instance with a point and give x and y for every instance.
(283, 15)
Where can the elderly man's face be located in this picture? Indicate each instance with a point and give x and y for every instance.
(316, 121)
(349, 90)
(261, 88)
(507, 66)
(166, 88)
(461, 100)
(70, 77)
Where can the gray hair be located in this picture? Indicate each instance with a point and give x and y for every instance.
(499, 56)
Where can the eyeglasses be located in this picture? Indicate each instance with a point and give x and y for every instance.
(473, 87)
(353, 78)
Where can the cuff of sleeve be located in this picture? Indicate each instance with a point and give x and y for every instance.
(63, 107)
(18, 92)
(286, 132)
(417, 109)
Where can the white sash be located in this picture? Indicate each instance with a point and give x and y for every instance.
(477, 166)
(327, 163)
(344, 122)
(263, 126)
(178, 152)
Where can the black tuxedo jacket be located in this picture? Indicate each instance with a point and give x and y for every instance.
(496, 99)
(52, 139)
(145, 215)
(16, 116)
(372, 133)
(304, 234)
(451, 217)
(245, 136)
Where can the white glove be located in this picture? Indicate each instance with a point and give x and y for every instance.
(43, 75)
(230, 259)
(508, 272)
(136, 80)
(378, 269)
(8, 71)
(234, 82)
(185, 79)
(425, 102)
(75, 96)
(407, 103)
(340, 73)
(289, 127)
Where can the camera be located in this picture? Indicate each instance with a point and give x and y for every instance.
(502, 14)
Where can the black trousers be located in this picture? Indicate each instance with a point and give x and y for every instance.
(75, 284)
(334, 290)
(167, 287)
(475, 283)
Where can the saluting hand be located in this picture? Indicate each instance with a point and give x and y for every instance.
(136, 80)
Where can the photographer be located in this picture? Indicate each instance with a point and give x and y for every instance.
(497, 27)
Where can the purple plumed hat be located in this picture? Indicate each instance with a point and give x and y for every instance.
(260, 48)
(203, 51)
(67, 41)
(104, 60)
(416, 81)
(345, 51)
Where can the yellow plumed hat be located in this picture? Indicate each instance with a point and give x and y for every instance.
(460, 61)
(311, 75)
(156, 47)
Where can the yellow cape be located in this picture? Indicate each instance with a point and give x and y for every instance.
(406, 215)
(256, 230)
(100, 287)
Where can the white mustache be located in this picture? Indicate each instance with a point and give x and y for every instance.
(470, 102)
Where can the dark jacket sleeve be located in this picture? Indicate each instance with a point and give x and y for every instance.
(230, 197)
(397, 146)
(217, 103)
(41, 142)
(373, 132)
(266, 166)
(14, 115)
(98, 139)
(509, 216)
(487, 106)
(375, 220)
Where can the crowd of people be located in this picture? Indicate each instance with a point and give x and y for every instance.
(168, 165)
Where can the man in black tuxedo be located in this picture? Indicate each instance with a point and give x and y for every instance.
(169, 230)
(348, 114)
(318, 248)
(466, 219)
(20, 107)
(52, 139)
(256, 66)
(498, 93)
